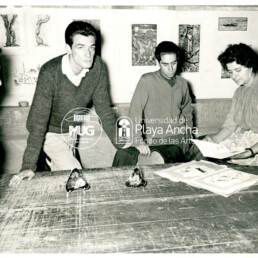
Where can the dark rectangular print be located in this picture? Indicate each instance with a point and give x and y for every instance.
(189, 41)
(144, 41)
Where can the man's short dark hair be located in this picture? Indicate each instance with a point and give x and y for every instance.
(81, 28)
(240, 53)
(166, 47)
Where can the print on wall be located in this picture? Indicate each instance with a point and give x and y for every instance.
(25, 76)
(144, 41)
(189, 41)
(22, 73)
(41, 30)
(10, 26)
(21, 76)
(232, 24)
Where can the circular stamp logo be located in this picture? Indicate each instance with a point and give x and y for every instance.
(84, 128)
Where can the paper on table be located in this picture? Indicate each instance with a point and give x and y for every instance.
(226, 182)
(186, 172)
(210, 176)
(214, 150)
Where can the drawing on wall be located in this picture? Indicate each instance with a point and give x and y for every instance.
(26, 76)
(232, 24)
(41, 31)
(96, 25)
(144, 41)
(189, 41)
(224, 74)
(11, 30)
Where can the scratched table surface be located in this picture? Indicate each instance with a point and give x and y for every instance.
(165, 217)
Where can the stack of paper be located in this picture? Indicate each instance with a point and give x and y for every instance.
(189, 171)
(214, 150)
(210, 176)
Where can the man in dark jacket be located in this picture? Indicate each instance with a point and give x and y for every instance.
(65, 83)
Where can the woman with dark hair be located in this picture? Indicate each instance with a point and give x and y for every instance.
(240, 129)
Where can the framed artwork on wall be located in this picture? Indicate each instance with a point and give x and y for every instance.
(232, 24)
(189, 41)
(42, 27)
(144, 41)
(20, 73)
(12, 33)
(10, 25)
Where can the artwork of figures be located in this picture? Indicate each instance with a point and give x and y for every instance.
(232, 24)
(26, 76)
(10, 22)
(189, 41)
(144, 41)
(41, 30)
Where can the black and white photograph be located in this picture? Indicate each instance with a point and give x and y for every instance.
(144, 41)
(189, 41)
(128, 128)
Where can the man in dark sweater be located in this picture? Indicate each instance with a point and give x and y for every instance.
(160, 112)
(65, 83)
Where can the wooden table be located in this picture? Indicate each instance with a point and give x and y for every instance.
(165, 217)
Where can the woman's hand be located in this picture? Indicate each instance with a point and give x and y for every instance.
(220, 136)
(16, 179)
(208, 139)
(243, 155)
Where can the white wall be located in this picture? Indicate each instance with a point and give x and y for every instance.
(117, 44)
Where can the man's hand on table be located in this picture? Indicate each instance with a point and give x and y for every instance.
(144, 150)
(127, 145)
(16, 179)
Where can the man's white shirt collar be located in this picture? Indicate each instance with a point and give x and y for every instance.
(67, 70)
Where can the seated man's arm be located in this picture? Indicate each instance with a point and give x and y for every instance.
(186, 107)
